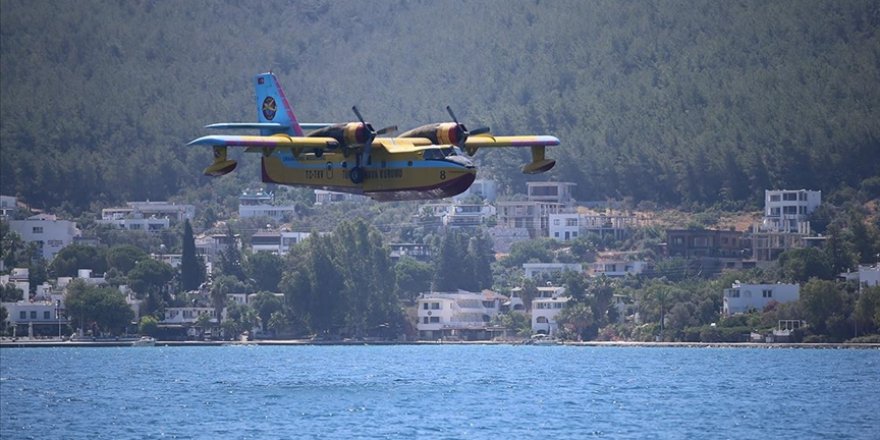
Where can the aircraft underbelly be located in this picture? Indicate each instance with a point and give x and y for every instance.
(406, 181)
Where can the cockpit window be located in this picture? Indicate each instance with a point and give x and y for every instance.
(441, 153)
(433, 154)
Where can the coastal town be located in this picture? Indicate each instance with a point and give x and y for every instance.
(530, 302)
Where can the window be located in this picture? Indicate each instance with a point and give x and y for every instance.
(789, 197)
(555, 222)
(47, 315)
(425, 320)
(435, 306)
(22, 315)
(767, 293)
(774, 198)
(542, 320)
(424, 306)
(33, 314)
(571, 222)
(37, 230)
(435, 320)
(774, 212)
(788, 210)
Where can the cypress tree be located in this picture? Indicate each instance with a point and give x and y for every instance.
(192, 272)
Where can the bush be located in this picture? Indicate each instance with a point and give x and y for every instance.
(867, 339)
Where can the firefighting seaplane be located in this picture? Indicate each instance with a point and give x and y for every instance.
(427, 162)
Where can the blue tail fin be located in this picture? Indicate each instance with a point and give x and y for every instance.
(272, 106)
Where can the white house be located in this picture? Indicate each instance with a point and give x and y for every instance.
(47, 231)
(20, 278)
(546, 307)
(458, 315)
(741, 298)
(533, 270)
(30, 318)
(276, 242)
(787, 210)
(261, 204)
(324, 197)
(866, 276)
(483, 188)
(148, 209)
(564, 226)
(149, 224)
(187, 315)
(8, 205)
(618, 268)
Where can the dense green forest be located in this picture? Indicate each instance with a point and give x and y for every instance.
(691, 103)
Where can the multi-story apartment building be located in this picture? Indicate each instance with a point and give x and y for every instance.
(788, 210)
(457, 315)
(545, 307)
(533, 216)
(50, 234)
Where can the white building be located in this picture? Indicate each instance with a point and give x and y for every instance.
(546, 307)
(261, 204)
(533, 215)
(8, 205)
(276, 242)
(741, 298)
(457, 315)
(866, 276)
(618, 268)
(324, 197)
(788, 210)
(564, 226)
(142, 210)
(187, 315)
(483, 188)
(150, 224)
(555, 192)
(467, 215)
(50, 234)
(20, 278)
(533, 270)
(33, 318)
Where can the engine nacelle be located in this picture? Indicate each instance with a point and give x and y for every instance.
(443, 133)
(348, 134)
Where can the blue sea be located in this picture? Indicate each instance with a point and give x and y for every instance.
(438, 392)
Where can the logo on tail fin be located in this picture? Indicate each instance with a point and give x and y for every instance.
(269, 107)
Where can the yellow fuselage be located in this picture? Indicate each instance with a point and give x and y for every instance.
(419, 174)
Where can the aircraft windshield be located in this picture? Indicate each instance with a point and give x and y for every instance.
(442, 153)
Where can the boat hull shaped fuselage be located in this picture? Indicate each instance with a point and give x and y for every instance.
(386, 176)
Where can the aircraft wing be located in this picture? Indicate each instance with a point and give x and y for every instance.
(274, 141)
(539, 162)
(485, 140)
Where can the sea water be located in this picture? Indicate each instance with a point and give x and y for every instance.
(438, 392)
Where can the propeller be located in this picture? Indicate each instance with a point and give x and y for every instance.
(371, 132)
(461, 131)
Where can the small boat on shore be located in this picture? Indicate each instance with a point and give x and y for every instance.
(144, 341)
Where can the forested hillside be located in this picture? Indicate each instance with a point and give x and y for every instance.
(679, 103)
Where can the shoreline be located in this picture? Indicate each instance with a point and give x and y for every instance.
(306, 342)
